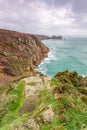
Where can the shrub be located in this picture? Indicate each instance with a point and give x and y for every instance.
(84, 99)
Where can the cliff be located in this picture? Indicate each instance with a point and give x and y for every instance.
(19, 53)
(42, 37)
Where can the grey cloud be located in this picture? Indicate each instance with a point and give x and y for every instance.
(78, 6)
(30, 15)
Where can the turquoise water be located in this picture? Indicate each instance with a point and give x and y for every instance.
(69, 54)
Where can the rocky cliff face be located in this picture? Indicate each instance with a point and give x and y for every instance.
(20, 53)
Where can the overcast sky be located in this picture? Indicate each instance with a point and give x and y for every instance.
(52, 17)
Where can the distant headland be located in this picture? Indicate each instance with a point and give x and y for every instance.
(45, 37)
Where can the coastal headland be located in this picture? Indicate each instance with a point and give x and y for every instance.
(19, 54)
(31, 101)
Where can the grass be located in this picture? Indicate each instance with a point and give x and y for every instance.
(47, 98)
(55, 82)
(11, 106)
(31, 83)
(77, 120)
(69, 105)
(67, 116)
(42, 78)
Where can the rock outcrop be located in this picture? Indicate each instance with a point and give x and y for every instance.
(43, 103)
(20, 53)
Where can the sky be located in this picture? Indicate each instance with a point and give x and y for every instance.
(50, 17)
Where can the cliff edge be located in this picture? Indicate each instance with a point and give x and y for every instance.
(19, 53)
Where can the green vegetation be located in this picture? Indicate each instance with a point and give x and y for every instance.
(42, 80)
(10, 106)
(46, 98)
(68, 102)
(66, 98)
(31, 83)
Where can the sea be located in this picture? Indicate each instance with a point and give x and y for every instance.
(67, 54)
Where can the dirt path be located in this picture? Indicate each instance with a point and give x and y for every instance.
(33, 85)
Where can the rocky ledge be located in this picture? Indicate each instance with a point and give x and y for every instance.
(19, 54)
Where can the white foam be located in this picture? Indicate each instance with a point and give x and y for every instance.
(51, 56)
(84, 76)
(42, 69)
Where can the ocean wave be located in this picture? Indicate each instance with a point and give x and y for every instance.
(69, 54)
(42, 69)
(43, 66)
(52, 54)
(84, 75)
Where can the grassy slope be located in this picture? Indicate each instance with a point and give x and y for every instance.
(11, 105)
(68, 96)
